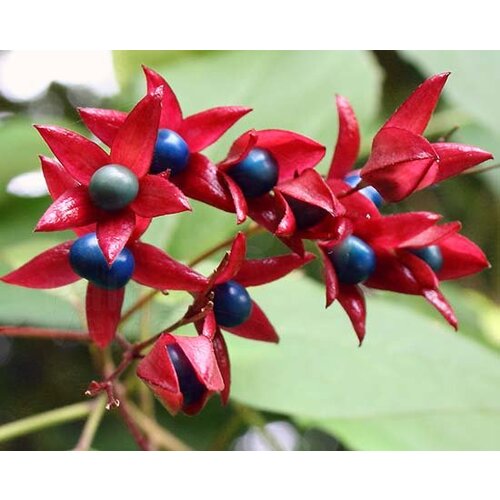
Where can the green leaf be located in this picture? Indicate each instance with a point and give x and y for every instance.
(199, 230)
(411, 368)
(473, 85)
(128, 62)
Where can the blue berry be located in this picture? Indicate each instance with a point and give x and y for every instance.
(431, 255)
(353, 259)
(306, 215)
(87, 260)
(113, 187)
(257, 174)
(171, 152)
(353, 179)
(190, 386)
(232, 304)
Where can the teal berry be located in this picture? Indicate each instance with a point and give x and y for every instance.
(113, 187)
(431, 255)
(354, 261)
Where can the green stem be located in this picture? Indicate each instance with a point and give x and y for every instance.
(43, 420)
(92, 424)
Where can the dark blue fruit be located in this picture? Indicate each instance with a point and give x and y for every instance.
(306, 215)
(87, 260)
(190, 386)
(232, 304)
(353, 179)
(431, 255)
(171, 153)
(113, 187)
(257, 174)
(353, 259)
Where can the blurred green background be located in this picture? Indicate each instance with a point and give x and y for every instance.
(414, 385)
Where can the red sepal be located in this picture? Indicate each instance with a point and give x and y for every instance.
(58, 182)
(352, 299)
(391, 274)
(393, 231)
(348, 140)
(50, 269)
(199, 350)
(399, 162)
(454, 159)
(154, 268)
(256, 327)
(287, 225)
(171, 113)
(158, 196)
(222, 356)
(461, 257)
(113, 233)
(202, 181)
(103, 313)
(414, 114)
(233, 261)
(429, 286)
(357, 205)
(103, 123)
(73, 208)
(438, 300)
(57, 179)
(134, 144)
(255, 272)
(79, 156)
(240, 149)
(269, 212)
(240, 203)
(431, 236)
(311, 188)
(204, 128)
(330, 275)
(293, 152)
(158, 372)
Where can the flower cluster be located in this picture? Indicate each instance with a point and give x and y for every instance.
(153, 164)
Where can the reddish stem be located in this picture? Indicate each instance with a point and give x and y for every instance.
(134, 430)
(44, 333)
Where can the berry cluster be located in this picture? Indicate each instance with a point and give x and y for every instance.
(154, 163)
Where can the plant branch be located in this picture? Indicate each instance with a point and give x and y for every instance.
(47, 419)
(43, 333)
(130, 421)
(89, 430)
(204, 255)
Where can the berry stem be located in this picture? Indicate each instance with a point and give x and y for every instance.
(130, 421)
(253, 229)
